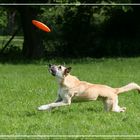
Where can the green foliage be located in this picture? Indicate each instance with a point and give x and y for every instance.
(50, 15)
(114, 1)
(87, 30)
(27, 1)
(3, 19)
(79, 30)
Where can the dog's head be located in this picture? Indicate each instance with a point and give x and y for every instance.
(59, 71)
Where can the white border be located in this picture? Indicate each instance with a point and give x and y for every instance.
(70, 4)
(69, 136)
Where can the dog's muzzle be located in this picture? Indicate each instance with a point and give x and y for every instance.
(52, 70)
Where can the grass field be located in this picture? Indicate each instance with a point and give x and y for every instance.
(24, 87)
(17, 41)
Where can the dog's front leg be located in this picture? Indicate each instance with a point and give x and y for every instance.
(59, 99)
(55, 104)
(52, 105)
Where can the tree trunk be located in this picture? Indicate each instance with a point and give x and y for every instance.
(33, 44)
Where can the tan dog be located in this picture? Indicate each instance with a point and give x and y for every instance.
(71, 88)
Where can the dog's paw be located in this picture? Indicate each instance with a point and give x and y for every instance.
(123, 109)
(43, 107)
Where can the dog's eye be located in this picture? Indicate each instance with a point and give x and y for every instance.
(59, 67)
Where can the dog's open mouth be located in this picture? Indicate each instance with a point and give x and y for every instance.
(52, 69)
(53, 72)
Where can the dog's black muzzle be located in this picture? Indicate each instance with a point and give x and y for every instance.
(52, 69)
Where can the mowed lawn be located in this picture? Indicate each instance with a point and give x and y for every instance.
(24, 87)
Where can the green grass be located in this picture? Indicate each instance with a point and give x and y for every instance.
(24, 87)
(16, 42)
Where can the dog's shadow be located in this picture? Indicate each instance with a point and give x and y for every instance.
(82, 109)
(97, 110)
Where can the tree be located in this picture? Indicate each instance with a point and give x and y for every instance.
(33, 45)
(79, 30)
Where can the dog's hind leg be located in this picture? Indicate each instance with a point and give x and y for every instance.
(107, 104)
(116, 107)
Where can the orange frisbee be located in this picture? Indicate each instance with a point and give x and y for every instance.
(41, 26)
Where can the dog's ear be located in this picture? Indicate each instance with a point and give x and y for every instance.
(49, 65)
(67, 70)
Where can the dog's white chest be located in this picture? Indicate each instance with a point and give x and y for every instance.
(62, 92)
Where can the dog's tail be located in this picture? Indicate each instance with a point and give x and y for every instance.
(130, 86)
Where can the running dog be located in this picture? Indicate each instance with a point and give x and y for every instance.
(71, 88)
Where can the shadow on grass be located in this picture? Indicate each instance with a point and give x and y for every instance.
(18, 58)
(69, 109)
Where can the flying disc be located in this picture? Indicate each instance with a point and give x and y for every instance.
(41, 26)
